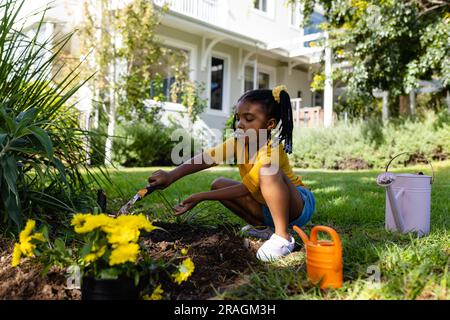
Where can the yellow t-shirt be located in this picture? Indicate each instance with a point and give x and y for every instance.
(249, 168)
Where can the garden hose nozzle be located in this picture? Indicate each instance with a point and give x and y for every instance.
(139, 196)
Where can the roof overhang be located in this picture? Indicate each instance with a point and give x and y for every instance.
(289, 50)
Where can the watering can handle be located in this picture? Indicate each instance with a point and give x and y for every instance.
(432, 170)
(330, 231)
(336, 240)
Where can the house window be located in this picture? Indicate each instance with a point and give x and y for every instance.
(261, 5)
(249, 81)
(217, 83)
(164, 72)
(263, 79)
(317, 99)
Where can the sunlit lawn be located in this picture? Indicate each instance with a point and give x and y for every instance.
(350, 202)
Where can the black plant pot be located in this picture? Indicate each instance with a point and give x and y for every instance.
(119, 289)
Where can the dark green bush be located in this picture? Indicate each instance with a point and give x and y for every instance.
(139, 144)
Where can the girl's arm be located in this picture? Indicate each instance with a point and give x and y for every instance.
(236, 191)
(161, 178)
(192, 165)
(227, 193)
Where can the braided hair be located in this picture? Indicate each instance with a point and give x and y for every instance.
(279, 110)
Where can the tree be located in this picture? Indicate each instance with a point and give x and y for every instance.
(126, 51)
(390, 44)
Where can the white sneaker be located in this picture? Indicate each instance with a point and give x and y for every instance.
(258, 232)
(275, 248)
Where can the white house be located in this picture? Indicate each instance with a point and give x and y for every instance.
(233, 46)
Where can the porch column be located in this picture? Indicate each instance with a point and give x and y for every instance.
(328, 91)
(412, 102)
(385, 106)
(255, 73)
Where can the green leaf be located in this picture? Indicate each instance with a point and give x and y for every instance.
(60, 245)
(44, 139)
(10, 173)
(3, 137)
(25, 118)
(8, 120)
(110, 273)
(86, 250)
(12, 207)
(59, 165)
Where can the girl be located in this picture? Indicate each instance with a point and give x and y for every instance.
(270, 194)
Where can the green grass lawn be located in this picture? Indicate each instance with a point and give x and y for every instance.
(348, 201)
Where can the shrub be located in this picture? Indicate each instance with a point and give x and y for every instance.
(140, 144)
(370, 144)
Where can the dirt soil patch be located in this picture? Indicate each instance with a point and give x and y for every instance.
(219, 254)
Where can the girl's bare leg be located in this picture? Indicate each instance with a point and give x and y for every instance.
(245, 207)
(282, 198)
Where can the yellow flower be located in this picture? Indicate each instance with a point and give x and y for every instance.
(124, 253)
(184, 251)
(25, 233)
(91, 257)
(38, 236)
(27, 248)
(184, 271)
(17, 253)
(156, 295)
(121, 235)
(79, 219)
(91, 222)
(136, 221)
(276, 92)
(24, 246)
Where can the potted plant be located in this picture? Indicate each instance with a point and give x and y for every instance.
(113, 263)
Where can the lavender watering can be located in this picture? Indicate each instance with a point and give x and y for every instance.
(408, 200)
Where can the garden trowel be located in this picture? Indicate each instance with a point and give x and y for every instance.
(139, 196)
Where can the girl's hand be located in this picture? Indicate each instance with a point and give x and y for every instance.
(187, 204)
(160, 178)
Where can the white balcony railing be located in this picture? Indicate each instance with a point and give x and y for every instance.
(206, 10)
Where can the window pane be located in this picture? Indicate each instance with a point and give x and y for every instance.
(248, 83)
(264, 5)
(263, 80)
(217, 66)
(261, 5)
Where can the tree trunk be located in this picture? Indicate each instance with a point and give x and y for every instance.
(403, 105)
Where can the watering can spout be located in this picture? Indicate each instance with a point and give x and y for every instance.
(302, 235)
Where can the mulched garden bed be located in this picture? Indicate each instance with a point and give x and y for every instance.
(219, 255)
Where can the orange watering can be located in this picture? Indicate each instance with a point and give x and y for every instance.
(323, 257)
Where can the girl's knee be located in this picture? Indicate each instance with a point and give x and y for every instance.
(269, 173)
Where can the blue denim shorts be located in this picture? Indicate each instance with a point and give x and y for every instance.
(309, 206)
